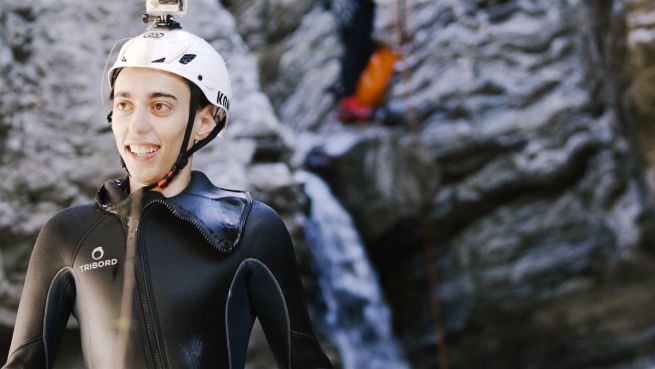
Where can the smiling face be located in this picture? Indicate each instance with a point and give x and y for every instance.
(150, 113)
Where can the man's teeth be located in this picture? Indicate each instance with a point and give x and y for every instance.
(143, 149)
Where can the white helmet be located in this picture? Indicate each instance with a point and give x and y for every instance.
(188, 56)
(184, 54)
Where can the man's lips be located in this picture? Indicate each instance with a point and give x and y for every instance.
(142, 151)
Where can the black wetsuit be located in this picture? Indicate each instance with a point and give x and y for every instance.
(208, 262)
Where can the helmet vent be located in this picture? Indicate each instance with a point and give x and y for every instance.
(124, 60)
(159, 60)
(186, 58)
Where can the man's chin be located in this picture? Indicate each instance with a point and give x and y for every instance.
(144, 179)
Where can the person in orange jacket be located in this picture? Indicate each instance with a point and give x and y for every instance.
(355, 19)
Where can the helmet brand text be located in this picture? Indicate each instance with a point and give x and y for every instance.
(154, 35)
(223, 100)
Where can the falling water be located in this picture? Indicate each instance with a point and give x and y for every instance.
(358, 319)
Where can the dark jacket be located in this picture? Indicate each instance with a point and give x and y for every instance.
(345, 11)
(208, 262)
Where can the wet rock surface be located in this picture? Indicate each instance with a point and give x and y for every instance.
(525, 178)
(528, 178)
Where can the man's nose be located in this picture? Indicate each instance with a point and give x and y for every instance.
(140, 120)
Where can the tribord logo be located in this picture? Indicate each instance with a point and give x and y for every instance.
(97, 254)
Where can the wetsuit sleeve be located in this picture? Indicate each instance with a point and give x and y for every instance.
(45, 304)
(277, 294)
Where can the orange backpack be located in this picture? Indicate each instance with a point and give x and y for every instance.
(373, 82)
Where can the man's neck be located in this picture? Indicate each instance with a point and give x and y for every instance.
(177, 185)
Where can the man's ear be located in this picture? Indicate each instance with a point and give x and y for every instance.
(204, 122)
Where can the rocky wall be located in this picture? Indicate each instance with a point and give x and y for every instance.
(530, 167)
(529, 176)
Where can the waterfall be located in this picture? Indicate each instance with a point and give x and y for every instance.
(358, 320)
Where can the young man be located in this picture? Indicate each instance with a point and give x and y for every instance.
(207, 261)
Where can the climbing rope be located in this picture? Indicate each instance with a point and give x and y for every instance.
(405, 49)
(124, 323)
(426, 229)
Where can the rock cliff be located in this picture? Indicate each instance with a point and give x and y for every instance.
(531, 167)
(526, 179)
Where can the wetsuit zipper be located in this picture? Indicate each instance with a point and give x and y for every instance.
(156, 357)
(145, 299)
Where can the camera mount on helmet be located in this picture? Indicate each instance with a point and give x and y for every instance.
(161, 13)
(161, 21)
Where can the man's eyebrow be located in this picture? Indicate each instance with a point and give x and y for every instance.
(155, 95)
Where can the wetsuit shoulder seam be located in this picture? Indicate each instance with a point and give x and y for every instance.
(244, 217)
(227, 310)
(45, 315)
(243, 264)
(27, 343)
(301, 334)
(284, 300)
(86, 234)
(256, 209)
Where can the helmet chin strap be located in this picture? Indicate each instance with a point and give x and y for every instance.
(183, 156)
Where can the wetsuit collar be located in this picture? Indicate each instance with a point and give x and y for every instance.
(218, 213)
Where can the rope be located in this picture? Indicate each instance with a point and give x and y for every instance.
(124, 322)
(426, 229)
(401, 32)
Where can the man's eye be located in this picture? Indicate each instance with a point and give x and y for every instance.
(122, 106)
(161, 107)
